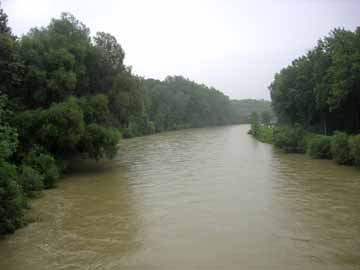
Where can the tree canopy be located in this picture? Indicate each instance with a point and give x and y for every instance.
(66, 94)
(321, 90)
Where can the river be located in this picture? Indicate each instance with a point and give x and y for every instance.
(211, 198)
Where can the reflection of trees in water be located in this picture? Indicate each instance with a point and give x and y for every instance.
(321, 205)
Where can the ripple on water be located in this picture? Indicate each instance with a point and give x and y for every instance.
(210, 198)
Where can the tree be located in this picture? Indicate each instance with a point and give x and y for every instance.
(266, 118)
(320, 89)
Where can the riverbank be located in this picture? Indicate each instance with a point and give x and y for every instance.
(263, 133)
(341, 147)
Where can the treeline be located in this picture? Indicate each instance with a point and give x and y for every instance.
(321, 90)
(178, 103)
(64, 93)
(243, 110)
(317, 101)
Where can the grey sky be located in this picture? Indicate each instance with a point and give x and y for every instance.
(235, 46)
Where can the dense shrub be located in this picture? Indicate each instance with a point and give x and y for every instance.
(31, 180)
(290, 138)
(319, 147)
(99, 142)
(340, 148)
(11, 199)
(355, 149)
(62, 126)
(45, 164)
(139, 126)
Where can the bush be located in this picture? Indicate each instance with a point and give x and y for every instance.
(290, 139)
(45, 164)
(99, 142)
(263, 133)
(355, 149)
(11, 198)
(319, 147)
(139, 126)
(340, 149)
(31, 181)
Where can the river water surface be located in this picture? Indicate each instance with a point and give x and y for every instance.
(211, 198)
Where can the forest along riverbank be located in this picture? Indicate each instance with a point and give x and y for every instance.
(199, 198)
(340, 146)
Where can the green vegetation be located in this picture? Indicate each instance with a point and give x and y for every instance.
(320, 91)
(244, 108)
(340, 148)
(319, 94)
(65, 93)
(319, 146)
(264, 134)
(355, 149)
(261, 130)
(290, 139)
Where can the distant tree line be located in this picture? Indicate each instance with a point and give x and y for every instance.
(177, 103)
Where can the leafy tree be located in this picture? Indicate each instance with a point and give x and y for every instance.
(320, 90)
(99, 142)
(31, 180)
(45, 164)
(65, 94)
(340, 148)
(290, 139)
(266, 118)
(11, 199)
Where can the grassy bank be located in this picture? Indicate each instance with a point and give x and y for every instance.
(263, 133)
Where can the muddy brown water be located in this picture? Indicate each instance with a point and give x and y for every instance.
(210, 198)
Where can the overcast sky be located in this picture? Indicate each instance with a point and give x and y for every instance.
(235, 46)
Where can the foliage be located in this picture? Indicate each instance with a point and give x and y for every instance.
(62, 126)
(11, 198)
(177, 103)
(100, 142)
(340, 148)
(138, 126)
(320, 90)
(31, 180)
(263, 133)
(255, 122)
(266, 118)
(65, 94)
(319, 147)
(290, 139)
(45, 164)
(243, 109)
(355, 149)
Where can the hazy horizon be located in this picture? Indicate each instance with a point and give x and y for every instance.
(234, 46)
